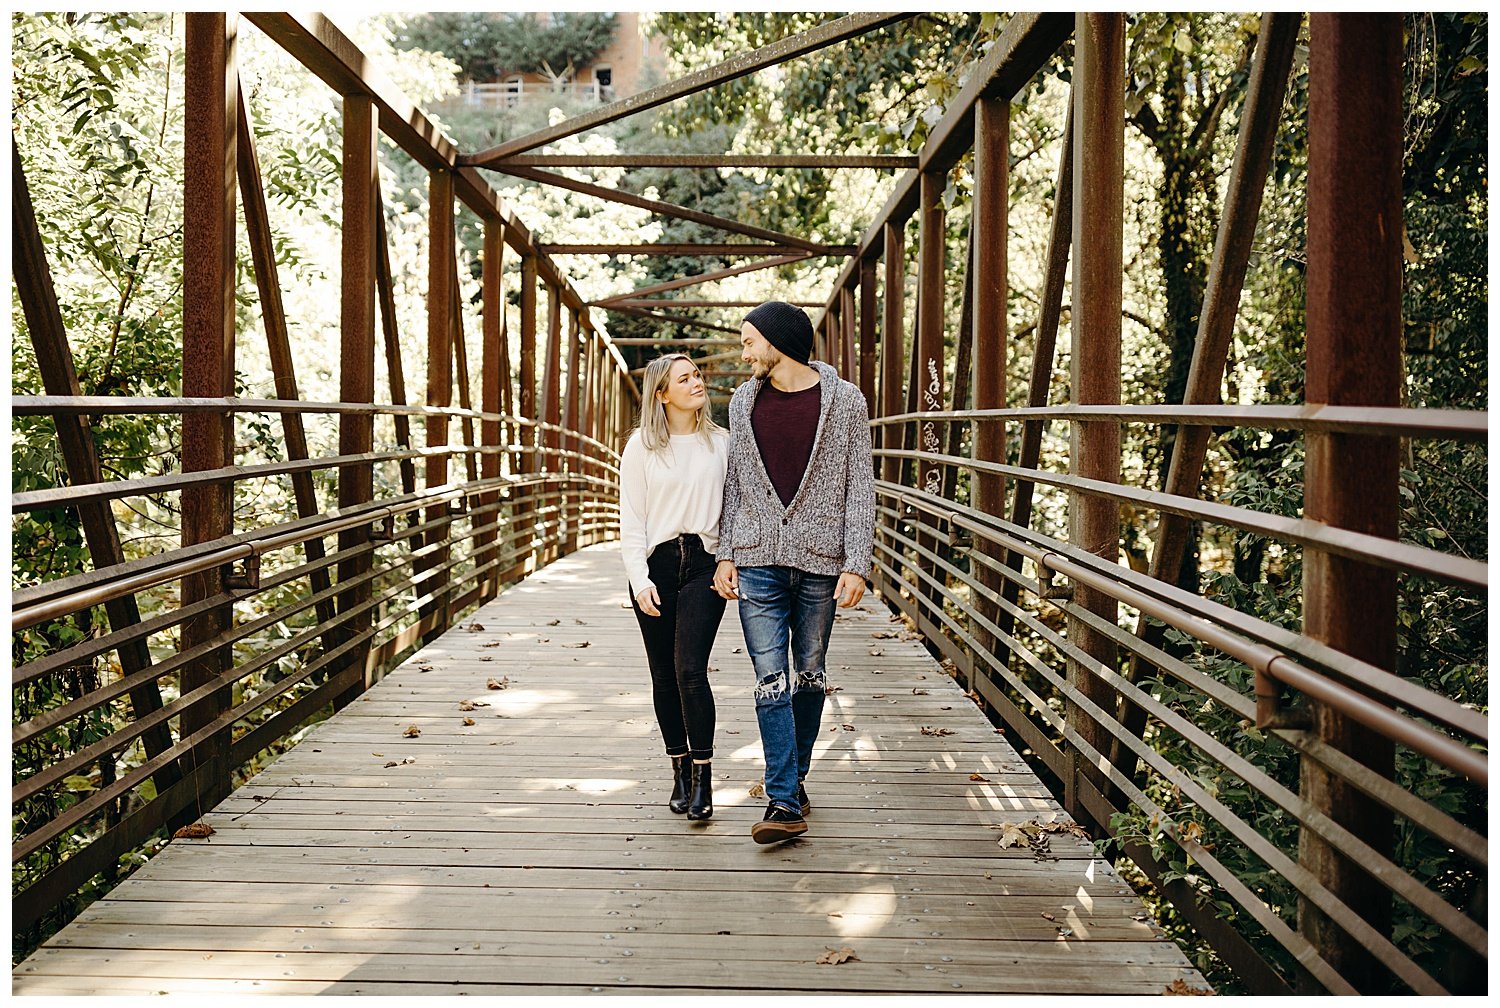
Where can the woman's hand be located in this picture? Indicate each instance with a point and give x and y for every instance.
(648, 600)
(727, 580)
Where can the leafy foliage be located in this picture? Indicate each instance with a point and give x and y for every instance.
(487, 46)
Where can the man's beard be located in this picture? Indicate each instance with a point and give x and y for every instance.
(760, 370)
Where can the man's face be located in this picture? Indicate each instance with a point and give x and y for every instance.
(757, 351)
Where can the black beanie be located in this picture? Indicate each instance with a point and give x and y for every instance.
(786, 327)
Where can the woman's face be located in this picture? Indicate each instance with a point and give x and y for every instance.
(684, 388)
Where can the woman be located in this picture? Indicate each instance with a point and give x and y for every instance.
(671, 490)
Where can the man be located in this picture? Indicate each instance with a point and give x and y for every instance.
(795, 535)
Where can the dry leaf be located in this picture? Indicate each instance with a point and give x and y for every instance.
(582, 644)
(468, 721)
(831, 690)
(1181, 988)
(848, 727)
(485, 657)
(835, 956)
(553, 622)
(758, 789)
(739, 650)
(929, 730)
(877, 696)
(194, 831)
(493, 643)
(876, 652)
(474, 627)
(918, 692)
(465, 705)
(1049, 917)
(412, 731)
(883, 633)
(977, 777)
(500, 683)
(402, 762)
(1189, 831)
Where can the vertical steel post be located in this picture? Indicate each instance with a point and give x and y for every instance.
(491, 399)
(440, 243)
(1098, 273)
(892, 341)
(928, 355)
(211, 85)
(552, 414)
(988, 281)
(361, 186)
(868, 325)
(572, 501)
(1354, 344)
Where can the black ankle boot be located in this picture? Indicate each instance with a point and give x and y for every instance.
(701, 806)
(682, 783)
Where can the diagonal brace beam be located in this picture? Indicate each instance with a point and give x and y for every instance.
(690, 281)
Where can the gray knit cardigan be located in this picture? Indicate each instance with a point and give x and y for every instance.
(829, 527)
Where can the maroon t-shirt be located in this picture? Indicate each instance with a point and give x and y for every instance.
(785, 424)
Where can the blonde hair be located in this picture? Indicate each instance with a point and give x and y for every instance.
(655, 434)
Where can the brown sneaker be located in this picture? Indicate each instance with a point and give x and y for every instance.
(780, 823)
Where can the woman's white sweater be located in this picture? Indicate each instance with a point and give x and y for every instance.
(678, 490)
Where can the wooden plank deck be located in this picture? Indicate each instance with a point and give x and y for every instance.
(532, 852)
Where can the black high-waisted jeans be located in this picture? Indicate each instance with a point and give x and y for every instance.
(678, 642)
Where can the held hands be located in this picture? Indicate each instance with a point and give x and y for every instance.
(648, 600)
(849, 590)
(727, 580)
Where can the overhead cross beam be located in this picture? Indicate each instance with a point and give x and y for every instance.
(708, 161)
(658, 207)
(733, 68)
(701, 278)
(691, 248)
(634, 302)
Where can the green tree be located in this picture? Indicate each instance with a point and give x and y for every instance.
(486, 46)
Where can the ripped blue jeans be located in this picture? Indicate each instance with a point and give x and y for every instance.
(785, 610)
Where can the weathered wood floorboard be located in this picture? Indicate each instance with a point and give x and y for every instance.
(532, 852)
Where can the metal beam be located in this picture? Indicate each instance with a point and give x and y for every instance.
(658, 207)
(702, 278)
(690, 249)
(734, 68)
(691, 303)
(709, 161)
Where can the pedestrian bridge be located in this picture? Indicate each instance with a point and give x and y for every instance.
(393, 734)
(520, 841)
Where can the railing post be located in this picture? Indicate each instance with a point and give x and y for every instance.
(892, 341)
(531, 461)
(552, 414)
(211, 106)
(1098, 272)
(357, 368)
(847, 356)
(988, 281)
(928, 360)
(571, 500)
(491, 378)
(1354, 346)
(868, 323)
(440, 242)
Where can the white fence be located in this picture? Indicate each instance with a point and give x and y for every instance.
(508, 94)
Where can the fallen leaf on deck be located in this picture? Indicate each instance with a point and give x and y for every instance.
(401, 762)
(918, 692)
(835, 914)
(758, 789)
(1049, 917)
(835, 956)
(474, 627)
(848, 727)
(977, 777)
(877, 696)
(929, 730)
(579, 622)
(412, 731)
(468, 721)
(876, 652)
(194, 831)
(738, 650)
(465, 705)
(485, 657)
(884, 634)
(1064, 932)
(493, 643)
(831, 690)
(1181, 988)
(582, 644)
(553, 622)
(500, 683)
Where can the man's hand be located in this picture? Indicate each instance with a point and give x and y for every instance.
(649, 601)
(850, 589)
(727, 580)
